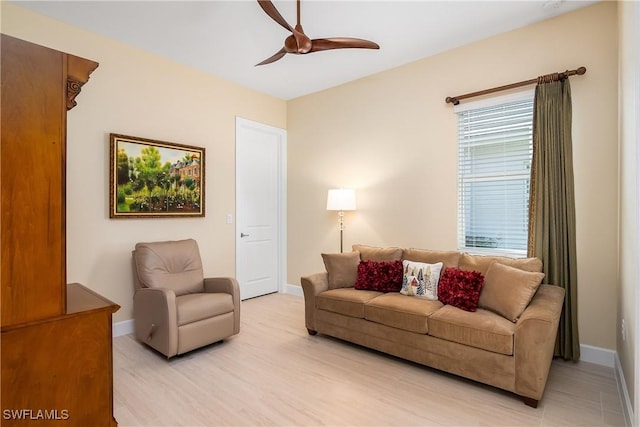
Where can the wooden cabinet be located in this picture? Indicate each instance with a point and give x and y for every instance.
(61, 368)
(56, 338)
(33, 147)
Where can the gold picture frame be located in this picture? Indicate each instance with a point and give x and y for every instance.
(150, 179)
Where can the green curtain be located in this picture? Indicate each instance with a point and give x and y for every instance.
(552, 223)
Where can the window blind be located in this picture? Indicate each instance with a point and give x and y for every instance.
(494, 166)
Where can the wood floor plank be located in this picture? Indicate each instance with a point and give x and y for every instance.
(274, 374)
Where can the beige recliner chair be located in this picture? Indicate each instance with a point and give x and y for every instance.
(175, 308)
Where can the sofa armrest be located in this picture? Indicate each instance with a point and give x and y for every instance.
(311, 286)
(226, 285)
(156, 319)
(535, 340)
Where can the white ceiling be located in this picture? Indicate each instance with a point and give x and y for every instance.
(226, 38)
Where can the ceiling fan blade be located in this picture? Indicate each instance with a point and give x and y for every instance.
(273, 58)
(273, 13)
(303, 43)
(342, 43)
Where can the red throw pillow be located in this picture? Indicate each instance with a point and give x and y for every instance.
(460, 288)
(382, 276)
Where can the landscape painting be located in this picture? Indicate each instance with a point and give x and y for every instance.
(151, 178)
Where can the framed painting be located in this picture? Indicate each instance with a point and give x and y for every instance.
(151, 178)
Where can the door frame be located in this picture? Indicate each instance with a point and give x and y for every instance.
(282, 198)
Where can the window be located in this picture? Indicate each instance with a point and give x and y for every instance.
(495, 145)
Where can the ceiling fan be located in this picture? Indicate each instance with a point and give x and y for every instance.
(298, 43)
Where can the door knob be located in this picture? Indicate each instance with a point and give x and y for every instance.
(244, 235)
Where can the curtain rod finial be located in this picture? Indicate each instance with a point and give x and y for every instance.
(454, 101)
(580, 71)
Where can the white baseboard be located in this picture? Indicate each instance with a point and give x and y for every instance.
(125, 327)
(597, 355)
(627, 407)
(293, 290)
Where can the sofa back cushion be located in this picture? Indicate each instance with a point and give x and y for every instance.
(172, 265)
(372, 253)
(508, 290)
(481, 263)
(342, 269)
(448, 258)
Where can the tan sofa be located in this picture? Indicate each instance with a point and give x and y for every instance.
(482, 345)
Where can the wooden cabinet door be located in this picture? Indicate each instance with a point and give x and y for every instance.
(59, 371)
(33, 121)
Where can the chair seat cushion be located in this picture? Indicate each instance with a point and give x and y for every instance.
(347, 301)
(481, 329)
(401, 311)
(195, 307)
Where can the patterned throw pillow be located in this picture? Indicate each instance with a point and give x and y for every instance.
(382, 276)
(421, 279)
(460, 288)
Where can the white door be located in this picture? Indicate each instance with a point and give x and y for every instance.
(260, 207)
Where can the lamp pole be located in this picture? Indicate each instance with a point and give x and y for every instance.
(341, 221)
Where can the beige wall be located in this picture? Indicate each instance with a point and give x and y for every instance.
(392, 137)
(137, 93)
(629, 233)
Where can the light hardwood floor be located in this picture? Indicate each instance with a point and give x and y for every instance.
(273, 373)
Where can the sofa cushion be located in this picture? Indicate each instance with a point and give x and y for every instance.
(383, 276)
(421, 279)
(482, 329)
(481, 263)
(460, 288)
(508, 290)
(347, 301)
(342, 269)
(448, 258)
(399, 311)
(194, 307)
(372, 253)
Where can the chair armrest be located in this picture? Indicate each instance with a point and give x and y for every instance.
(311, 286)
(156, 319)
(535, 340)
(227, 285)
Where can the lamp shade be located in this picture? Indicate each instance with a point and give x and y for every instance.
(341, 199)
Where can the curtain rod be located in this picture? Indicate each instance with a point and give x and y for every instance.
(455, 100)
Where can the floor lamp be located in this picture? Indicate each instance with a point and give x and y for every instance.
(341, 199)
